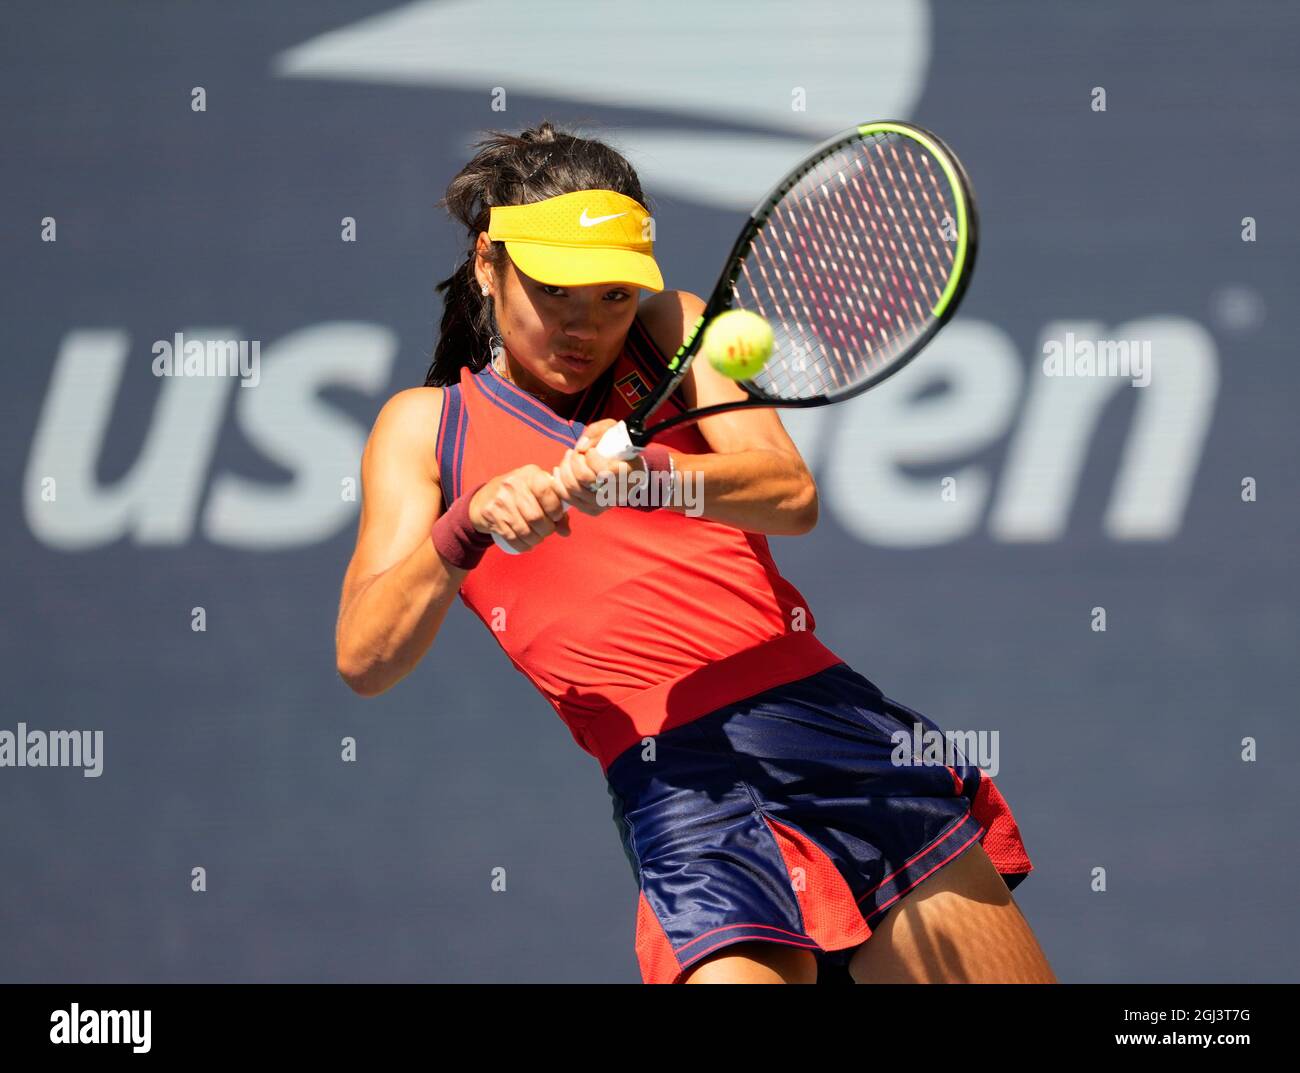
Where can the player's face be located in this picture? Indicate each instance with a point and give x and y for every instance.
(549, 330)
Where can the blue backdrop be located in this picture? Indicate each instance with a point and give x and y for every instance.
(174, 547)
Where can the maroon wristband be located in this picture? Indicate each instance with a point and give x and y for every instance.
(657, 460)
(454, 535)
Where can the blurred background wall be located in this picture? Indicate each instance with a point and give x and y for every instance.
(191, 168)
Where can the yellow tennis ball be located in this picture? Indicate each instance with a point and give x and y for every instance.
(737, 343)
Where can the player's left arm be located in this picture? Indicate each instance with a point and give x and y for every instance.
(754, 477)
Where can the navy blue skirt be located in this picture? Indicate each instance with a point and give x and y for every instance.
(785, 818)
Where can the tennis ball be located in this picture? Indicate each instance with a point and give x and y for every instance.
(738, 343)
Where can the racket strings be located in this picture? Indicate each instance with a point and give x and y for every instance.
(849, 287)
(809, 244)
(919, 245)
(896, 234)
(936, 221)
(850, 265)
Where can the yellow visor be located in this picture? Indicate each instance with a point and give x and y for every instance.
(588, 236)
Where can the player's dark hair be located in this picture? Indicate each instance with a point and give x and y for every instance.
(510, 169)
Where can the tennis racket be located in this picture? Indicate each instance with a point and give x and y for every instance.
(856, 258)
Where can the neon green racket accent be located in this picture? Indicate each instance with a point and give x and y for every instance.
(959, 260)
(677, 358)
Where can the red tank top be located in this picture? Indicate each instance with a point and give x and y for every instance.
(640, 620)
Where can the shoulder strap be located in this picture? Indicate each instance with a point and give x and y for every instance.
(451, 441)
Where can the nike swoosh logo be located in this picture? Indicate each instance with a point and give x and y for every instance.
(592, 221)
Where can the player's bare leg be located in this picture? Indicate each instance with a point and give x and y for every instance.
(755, 963)
(960, 925)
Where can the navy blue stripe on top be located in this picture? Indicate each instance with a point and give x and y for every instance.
(531, 411)
(451, 441)
(512, 399)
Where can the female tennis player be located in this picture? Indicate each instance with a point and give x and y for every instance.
(771, 828)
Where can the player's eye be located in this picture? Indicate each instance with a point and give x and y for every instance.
(619, 294)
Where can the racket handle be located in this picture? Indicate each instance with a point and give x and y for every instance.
(616, 443)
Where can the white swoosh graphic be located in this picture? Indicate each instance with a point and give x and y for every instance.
(591, 221)
(843, 63)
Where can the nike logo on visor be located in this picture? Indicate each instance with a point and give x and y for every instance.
(591, 221)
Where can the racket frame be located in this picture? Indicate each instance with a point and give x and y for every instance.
(720, 300)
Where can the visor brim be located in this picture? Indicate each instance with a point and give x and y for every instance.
(566, 266)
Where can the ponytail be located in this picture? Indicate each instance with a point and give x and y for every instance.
(467, 324)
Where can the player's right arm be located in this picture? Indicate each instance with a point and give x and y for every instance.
(398, 588)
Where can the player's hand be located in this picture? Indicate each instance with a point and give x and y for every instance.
(522, 506)
(582, 467)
